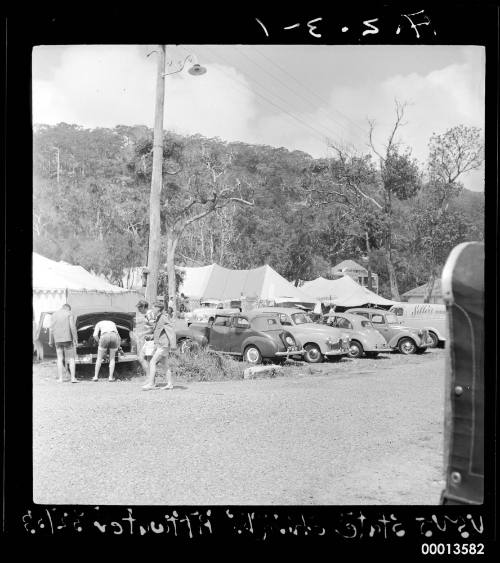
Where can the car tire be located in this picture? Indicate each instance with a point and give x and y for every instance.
(252, 355)
(435, 340)
(407, 346)
(313, 354)
(356, 349)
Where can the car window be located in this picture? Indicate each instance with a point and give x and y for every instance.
(222, 321)
(398, 311)
(343, 323)
(301, 318)
(377, 319)
(366, 324)
(272, 321)
(241, 322)
(392, 319)
(284, 320)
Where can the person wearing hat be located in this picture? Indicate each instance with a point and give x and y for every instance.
(165, 340)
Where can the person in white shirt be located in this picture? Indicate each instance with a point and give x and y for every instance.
(109, 339)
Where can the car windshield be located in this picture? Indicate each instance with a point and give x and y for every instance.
(301, 319)
(391, 319)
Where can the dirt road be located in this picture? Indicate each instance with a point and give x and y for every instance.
(359, 432)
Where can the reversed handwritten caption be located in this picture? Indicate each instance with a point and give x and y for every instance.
(320, 28)
(260, 524)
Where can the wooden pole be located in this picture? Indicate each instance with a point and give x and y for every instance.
(156, 182)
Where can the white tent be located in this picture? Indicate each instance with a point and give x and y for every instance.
(344, 292)
(56, 283)
(264, 283)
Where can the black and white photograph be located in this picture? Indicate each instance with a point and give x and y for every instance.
(255, 268)
(261, 252)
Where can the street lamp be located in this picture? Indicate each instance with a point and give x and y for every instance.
(153, 263)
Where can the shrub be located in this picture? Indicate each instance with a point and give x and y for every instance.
(204, 365)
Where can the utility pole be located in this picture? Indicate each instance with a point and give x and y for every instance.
(156, 182)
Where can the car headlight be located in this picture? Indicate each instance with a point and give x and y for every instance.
(330, 340)
(289, 340)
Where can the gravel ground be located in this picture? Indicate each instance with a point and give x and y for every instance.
(367, 431)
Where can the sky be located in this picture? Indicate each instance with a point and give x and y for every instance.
(296, 96)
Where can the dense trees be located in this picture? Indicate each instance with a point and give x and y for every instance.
(245, 205)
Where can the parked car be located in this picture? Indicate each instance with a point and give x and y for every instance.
(320, 341)
(365, 340)
(209, 308)
(254, 336)
(86, 350)
(431, 316)
(406, 339)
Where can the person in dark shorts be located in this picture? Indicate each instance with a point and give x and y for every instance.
(63, 334)
(106, 333)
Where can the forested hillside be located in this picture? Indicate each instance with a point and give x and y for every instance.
(246, 205)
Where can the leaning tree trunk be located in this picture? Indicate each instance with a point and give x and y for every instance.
(172, 240)
(430, 286)
(368, 253)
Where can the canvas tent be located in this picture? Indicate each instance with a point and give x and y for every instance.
(262, 284)
(343, 292)
(56, 283)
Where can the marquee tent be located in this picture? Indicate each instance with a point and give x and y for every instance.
(344, 292)
(56, 283)
(264, 283)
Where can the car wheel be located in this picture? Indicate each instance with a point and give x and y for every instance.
(435, 340)
(355, 349)
(187, 345)
(252, 355)
(407, 346)
(313, 354)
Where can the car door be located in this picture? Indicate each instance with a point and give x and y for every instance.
(241, 330)
(220, 334)
(378, 322)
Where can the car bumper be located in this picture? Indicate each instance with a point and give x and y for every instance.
(87, 359)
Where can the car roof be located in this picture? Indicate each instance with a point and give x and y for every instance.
(288, 310)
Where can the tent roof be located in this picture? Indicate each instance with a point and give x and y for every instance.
(49, 275)
(216, 282)
(344, 292)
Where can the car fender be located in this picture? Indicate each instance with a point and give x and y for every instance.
(316, 341)
(393, 342)
(267, 346)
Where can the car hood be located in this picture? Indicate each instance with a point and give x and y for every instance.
(122, 319)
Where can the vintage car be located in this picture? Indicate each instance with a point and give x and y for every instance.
(431, 316)
(364, 339)
(209, 308)
(86, 350)
(254, 336)
(407, 340)
(320, 341)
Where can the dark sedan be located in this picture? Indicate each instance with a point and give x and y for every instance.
(253, 335)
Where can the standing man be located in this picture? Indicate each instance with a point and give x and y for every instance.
(63, 333)
(144, 324)
(165, 340)
(109, 340)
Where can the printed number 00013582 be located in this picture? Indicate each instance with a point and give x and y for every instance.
(452, 549)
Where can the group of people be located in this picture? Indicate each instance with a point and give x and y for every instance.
(154, 336)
